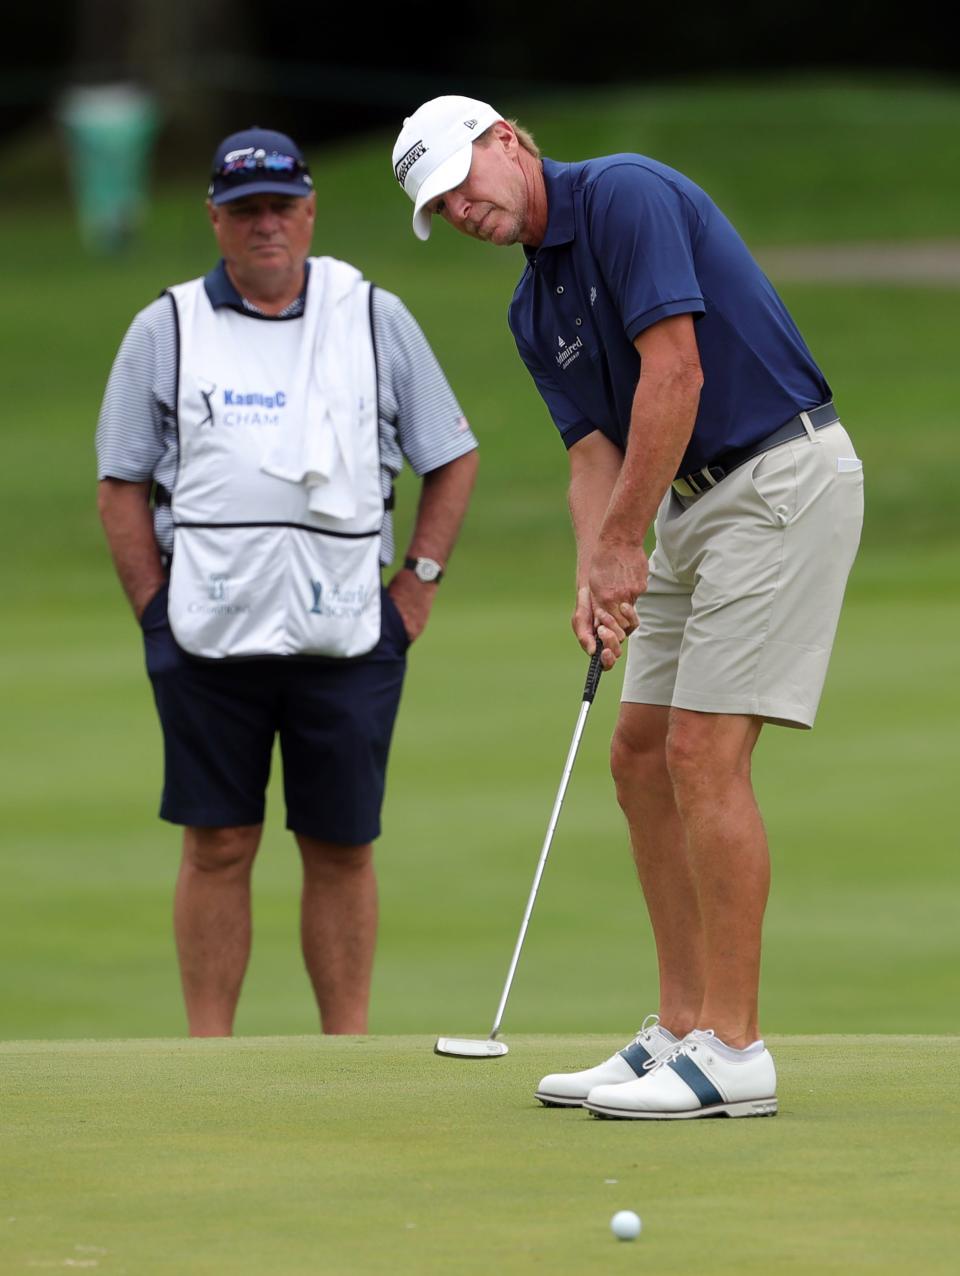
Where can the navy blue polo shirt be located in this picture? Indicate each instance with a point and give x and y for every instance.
(629, 242)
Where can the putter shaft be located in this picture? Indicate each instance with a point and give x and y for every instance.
(589, 691)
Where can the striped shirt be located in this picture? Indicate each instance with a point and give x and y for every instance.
(137, 441)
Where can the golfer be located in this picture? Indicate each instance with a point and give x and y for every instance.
(689, 402)
(267, 408)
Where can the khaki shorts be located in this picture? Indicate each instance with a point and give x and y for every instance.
(746, 583)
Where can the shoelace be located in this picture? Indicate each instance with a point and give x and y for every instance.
(647, 1027)
(685, 1046)
(659, 1054)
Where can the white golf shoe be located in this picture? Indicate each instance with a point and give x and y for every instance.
(569, 1089)
(700, 1077)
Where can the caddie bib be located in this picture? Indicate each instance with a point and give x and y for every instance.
(277, 506)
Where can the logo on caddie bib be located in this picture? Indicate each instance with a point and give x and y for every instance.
(252, 407)
(218, 601)
(207, 396)
(338, 603)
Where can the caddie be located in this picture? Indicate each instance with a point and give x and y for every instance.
(252, 427)
(688, 401)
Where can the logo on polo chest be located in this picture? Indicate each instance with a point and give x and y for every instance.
(568, 351)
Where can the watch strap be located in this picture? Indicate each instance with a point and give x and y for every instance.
(411, 564)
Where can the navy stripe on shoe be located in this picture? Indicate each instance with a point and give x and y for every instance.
(699, 1083)
(636, 1056)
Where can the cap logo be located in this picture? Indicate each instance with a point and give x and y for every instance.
(249, 159)
(404, 165)
(470, 123)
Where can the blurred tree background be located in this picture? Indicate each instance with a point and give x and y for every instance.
(329, 73)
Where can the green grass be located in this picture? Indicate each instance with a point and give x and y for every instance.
(860, 936)
(303, 1155)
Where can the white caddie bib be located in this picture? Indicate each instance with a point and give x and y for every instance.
(278, 507)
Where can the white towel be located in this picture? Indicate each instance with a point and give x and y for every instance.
(317, 448)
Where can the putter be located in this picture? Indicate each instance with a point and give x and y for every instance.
(491, 1048)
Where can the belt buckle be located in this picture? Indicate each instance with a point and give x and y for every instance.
(701, 481)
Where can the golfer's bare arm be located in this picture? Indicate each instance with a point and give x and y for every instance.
(614, 497)
(128, 522)
(661, 422)
(594, 469)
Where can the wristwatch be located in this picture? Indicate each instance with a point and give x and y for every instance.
(426, 569)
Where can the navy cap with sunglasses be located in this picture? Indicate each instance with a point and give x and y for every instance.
(258, 161)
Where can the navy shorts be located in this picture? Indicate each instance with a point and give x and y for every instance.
(219, 718)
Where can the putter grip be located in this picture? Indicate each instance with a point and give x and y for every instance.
(593, 674)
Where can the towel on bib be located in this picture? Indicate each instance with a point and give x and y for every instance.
(321, 453)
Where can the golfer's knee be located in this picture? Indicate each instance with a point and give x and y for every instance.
(221, 850)
(638, 765)
(703, 757)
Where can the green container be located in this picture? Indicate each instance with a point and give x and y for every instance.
(110, 130)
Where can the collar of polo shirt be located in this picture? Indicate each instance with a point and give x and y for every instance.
(221, 294)
(560, 220)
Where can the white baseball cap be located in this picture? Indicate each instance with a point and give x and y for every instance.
(434, 150)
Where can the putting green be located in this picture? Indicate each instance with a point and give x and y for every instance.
(367, 1155)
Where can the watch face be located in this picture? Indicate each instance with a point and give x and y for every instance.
(427, 570)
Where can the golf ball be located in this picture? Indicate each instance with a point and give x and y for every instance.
(625, 1225)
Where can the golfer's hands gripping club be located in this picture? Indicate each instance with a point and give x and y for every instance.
(606, 607)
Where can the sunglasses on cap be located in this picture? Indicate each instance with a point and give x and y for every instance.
(240, 164)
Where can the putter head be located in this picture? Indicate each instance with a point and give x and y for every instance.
(469, 1048)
